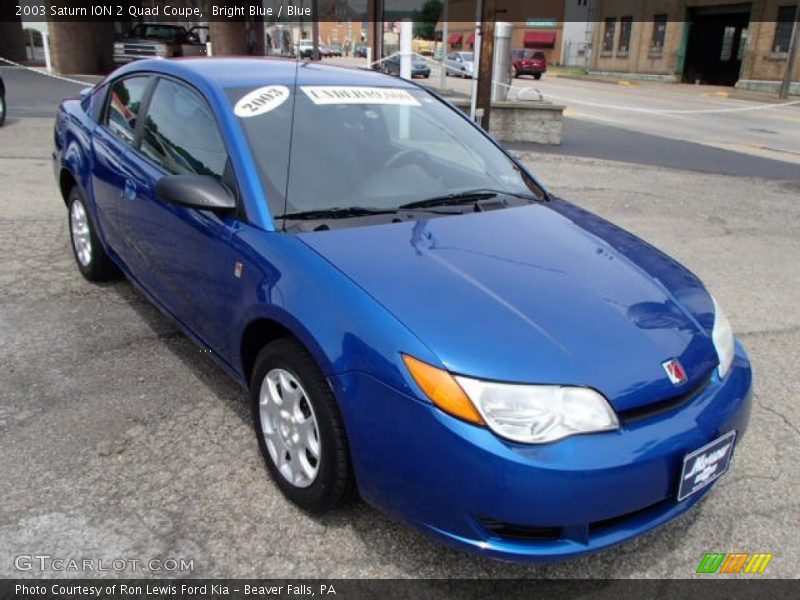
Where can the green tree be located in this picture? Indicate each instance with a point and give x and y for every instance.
(426, 18)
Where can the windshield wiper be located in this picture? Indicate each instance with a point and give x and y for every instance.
(337, 213)
(465, 197)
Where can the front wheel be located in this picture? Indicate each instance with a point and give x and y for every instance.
(2, 109)
(299, 428)
(93, 262)
(537, 76)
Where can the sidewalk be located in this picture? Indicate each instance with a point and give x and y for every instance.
(624, 79)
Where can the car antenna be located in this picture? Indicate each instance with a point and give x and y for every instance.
(291, 139)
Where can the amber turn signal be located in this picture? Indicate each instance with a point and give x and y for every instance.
(442, 389)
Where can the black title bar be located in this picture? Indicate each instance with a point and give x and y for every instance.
(531, 13)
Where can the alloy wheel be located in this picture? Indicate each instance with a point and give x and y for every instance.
(81, 236)
(290, 429)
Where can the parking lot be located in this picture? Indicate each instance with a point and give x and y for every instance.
(120, 438)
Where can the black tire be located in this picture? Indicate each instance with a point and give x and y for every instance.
(98, 267)
(2, 109)
(537, 76)
(516, 74)
(334, 483)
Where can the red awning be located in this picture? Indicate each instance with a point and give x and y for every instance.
(455, 38)
(540, 39)
(471, 38)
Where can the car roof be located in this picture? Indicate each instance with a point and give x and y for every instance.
(235, 72)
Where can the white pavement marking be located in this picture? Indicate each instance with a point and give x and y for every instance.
(61, 77)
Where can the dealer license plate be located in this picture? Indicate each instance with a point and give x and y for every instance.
(705, 465)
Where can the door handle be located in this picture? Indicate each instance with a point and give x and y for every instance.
(129, 191)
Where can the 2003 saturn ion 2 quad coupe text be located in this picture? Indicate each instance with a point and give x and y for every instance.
(415, 316)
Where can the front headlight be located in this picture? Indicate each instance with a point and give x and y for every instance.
(537, 414)
(722, 335)
(531, 414)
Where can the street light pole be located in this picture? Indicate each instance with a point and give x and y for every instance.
(791, 59)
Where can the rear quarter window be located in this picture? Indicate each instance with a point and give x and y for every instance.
(123, 106)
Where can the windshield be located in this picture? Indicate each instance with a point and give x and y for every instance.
(376, 148)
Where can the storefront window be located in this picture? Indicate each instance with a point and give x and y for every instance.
(625, 27)
(783, 29)
(608, 34)
(659, 34)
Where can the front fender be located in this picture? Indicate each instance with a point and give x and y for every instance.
(343, 327)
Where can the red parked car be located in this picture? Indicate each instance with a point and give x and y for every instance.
(529, 62)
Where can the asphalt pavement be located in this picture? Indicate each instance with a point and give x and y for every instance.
(120, 438)
(33, 94)
(589, 138)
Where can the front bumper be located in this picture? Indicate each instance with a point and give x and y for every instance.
(477, 492)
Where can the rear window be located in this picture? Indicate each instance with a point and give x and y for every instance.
(520, 54)
(167, 33)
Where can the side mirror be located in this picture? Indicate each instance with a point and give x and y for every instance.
(87, 91)
(195, 191)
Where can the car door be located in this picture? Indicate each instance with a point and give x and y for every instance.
(114, 174)
(189, 252)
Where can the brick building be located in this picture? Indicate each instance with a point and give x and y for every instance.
(718, 42)
(542, 34)
(538, 25)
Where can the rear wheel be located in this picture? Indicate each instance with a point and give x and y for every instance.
(2, 109)
(299, 428)
(93, 262)
(537, 76)
(516, 73)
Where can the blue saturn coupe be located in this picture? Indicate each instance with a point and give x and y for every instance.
(416, 318)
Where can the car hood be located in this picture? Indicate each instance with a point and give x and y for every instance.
(546, 293)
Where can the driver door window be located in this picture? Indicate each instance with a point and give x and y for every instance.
(180, 133)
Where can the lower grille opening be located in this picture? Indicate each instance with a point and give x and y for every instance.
(605, 524)
(510, 531)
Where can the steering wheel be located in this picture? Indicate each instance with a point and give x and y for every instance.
(405, 156)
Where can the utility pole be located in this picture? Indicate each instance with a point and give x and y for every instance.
(445, 33)
(375, 9)
(315, 29)
(791, 59)
(486, 64)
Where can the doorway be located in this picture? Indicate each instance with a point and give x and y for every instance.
(715, 44)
